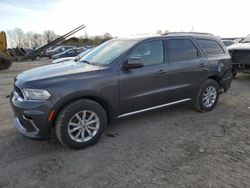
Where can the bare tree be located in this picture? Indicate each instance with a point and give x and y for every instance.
(49, 36)
(107, 36)
(37, 40)
(34, 40)
(159, 31)
(16, 37)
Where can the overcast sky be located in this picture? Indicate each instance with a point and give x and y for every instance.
(127, 17)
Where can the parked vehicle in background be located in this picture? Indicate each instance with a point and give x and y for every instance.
(228, 42)
(64, 59)
(57, 50)
(119, 78)
(50, 49)
(88, 47)
(240, 53)
(69, 53)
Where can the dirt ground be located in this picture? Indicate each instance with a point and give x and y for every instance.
(170, 147)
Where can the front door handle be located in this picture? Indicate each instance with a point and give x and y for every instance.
(162, 72)
(203, 65)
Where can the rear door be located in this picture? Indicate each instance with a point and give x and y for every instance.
(147, 86)
(187, 68)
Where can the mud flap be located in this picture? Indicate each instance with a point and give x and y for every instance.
(226, 80)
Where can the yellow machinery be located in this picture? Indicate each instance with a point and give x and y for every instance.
(3, 42)
(6, 59)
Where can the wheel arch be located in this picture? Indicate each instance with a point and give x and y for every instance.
(215, 78)
(100, 100)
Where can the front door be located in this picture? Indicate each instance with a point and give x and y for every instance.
(147, 86)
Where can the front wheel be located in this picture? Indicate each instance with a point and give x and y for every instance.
(207, 97)
(81, 124)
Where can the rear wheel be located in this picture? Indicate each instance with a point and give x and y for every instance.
(36, 58)
(81, 124)
(207, 97)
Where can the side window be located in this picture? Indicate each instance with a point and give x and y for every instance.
(151, 52)
(71, 52)
(211, 47)
(79, 50)
(181, 49)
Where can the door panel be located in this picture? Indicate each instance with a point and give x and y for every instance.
(187, 68)
(186, 78)
(147, 86)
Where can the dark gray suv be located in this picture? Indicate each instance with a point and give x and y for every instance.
(119, 78)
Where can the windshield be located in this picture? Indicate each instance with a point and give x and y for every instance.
(79, 56)
(107, 52)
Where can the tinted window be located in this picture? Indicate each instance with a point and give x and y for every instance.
(79, 50)
(181, 49)
(211, 47)
(150, 52)
(71, 52)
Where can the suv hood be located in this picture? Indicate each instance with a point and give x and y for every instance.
(57, 70)
(240, 46)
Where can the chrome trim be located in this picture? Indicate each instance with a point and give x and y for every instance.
(32, 122)
(155, 107)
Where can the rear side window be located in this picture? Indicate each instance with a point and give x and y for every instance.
(181, 49)
(211, 47)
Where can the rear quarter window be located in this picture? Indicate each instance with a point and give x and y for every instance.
(211, 47)
(181, 49)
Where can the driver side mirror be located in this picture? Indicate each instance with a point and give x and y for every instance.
(133, 63)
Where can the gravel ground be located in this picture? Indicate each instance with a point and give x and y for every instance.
(170, 147)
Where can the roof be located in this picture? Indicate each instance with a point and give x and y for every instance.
(170, 34)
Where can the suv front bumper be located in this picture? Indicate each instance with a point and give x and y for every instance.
(31, 117)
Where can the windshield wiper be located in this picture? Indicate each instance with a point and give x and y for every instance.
(84, 61)
(90, 63)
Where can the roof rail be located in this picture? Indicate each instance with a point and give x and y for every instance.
(168, 33)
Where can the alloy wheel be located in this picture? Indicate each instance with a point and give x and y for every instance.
(83, 126)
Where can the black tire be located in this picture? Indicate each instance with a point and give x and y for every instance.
(36, 58)
(66, 115)
(198, 101)
(5, 64)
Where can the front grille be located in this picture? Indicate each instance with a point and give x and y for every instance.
(18, 91)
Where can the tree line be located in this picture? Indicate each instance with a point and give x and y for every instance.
(18, 38)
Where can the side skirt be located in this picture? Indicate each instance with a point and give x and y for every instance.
(154, 107)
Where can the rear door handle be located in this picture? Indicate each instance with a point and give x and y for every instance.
(203, 65)
(162, 72)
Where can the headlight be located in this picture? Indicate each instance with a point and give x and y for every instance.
(36, 94)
